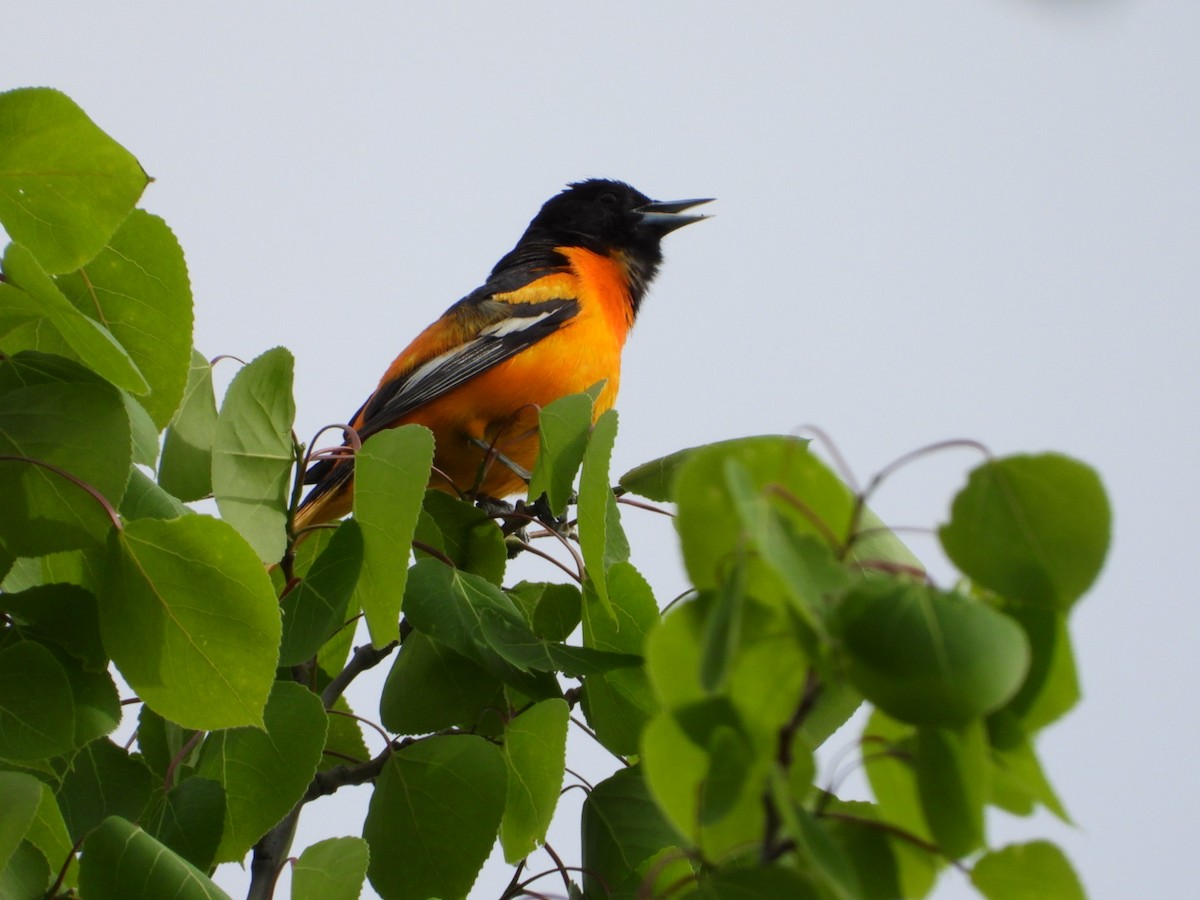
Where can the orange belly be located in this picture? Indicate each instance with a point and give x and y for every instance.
(500, 408)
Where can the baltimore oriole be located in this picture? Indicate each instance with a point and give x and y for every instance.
(550, 320)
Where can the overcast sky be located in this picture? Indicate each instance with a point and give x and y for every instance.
(948, 218)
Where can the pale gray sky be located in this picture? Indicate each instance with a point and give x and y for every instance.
(952, 218)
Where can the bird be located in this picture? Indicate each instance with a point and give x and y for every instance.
(550, 320)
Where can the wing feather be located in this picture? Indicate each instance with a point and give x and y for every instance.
(523, 326)
(513, 328)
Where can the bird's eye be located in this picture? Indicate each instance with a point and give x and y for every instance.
(607, 199)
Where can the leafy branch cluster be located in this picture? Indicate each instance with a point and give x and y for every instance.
(802, 607)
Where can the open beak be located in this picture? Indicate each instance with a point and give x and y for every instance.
(666, 215)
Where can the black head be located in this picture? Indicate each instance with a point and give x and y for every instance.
(607, 217)
(601, 215)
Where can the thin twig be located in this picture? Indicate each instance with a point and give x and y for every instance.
(178, 758)
(860, 502)
(583, 781)
(62, 872)
(433, 551)
(562, 867)
(832, 448)
(514, 882)
(365, 657)
(553, 532)
(649, 507)
(897, 832)
(808, 512)
(783, 757)
(387, 738)
(528, 547)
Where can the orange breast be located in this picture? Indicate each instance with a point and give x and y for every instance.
(500, 406)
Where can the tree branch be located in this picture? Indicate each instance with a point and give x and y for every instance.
(365, 657)
(783, 757)
(327, 782)
(271, 852)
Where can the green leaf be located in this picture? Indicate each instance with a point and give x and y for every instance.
(80, 567)
(37, 712)
(655, 480)
(102, 780)
(782, 479)
(601, 537)
(618, 704)
(464, 533)
(97, 704)
(48, 833)
(32, 296)
(390, 474)
(1031, 528)
(521, 647)
(706, 778)
(1017, 780)
(868, 848)
(20, 796)
(821, 856)
(623, 830)
(888, 748)
(767, 681)
(332, 656)
(804, 565)
(723, 627)
(535, 749)
(27, 875)
(431, 687)
(437, 806)
(189, 818)
(563, 427)
(24, 573)
(316, 608)
(62, 613)
(1037, 870)
(186, 466)
(138, 288)
(552, 610)
(307, 551)
(59, 413)
(452, 607)
(160, 742)
(952, 781)
(65, 185)
(143, 431)
(888, 862)
(189, 617)
(289, 750)
(929, 657)
(1051, 688)
(344, 738)
(878, 548)
(253, 454)
(122, 862)
(834, 706)
(146, 500)
(756, 884)
(730, 768)
(332, 869)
